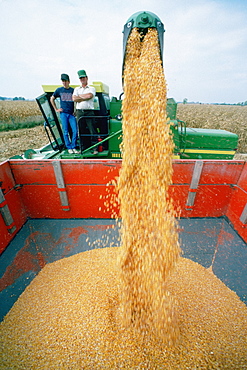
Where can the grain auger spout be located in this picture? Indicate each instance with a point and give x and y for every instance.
(143, 21)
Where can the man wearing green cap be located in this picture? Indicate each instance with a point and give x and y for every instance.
(84, 98)
(66, 111)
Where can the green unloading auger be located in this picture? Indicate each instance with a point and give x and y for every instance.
(143, 21)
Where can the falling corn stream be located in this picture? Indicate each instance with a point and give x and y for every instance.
(149, 238)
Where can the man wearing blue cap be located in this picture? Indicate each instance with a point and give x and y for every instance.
(66, 111)
(84, 98)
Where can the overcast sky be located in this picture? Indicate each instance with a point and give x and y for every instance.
(205, 45)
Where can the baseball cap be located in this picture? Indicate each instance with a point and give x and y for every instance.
(82, 73)
(64, 77)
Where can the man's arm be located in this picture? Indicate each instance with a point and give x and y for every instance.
(82, 97)
(52, 100)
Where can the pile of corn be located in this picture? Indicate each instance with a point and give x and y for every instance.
(69, 318)
(149, 237)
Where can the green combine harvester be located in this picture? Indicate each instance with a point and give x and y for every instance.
(190, 143)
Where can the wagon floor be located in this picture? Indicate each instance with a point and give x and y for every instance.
(212, 242)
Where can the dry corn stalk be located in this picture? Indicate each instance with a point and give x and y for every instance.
(18, 109)
(225, 117)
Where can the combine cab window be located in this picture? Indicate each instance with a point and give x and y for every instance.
(57, 113)
(52, 121)
(46, 110)
(107, 101)
(96, 103)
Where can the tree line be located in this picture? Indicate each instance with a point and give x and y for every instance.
(185, 101)
(15, 98)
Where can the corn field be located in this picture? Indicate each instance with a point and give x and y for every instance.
(10, 110)
(21, 127)
(232, 118)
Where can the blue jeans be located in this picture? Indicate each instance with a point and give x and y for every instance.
(68, 120)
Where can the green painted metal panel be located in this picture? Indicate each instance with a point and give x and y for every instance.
(144, 19)
(115, 141)
(214, 155)
(175, 135)
(171, 108)
(115, 108)
(210, 138)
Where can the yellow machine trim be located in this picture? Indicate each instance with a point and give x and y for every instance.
(116, 155)
(209, 151)
(99, 87)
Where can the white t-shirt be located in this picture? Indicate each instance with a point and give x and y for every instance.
(87, 104)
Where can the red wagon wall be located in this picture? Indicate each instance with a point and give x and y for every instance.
(79, 188)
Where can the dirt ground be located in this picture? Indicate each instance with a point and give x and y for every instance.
(16, 142)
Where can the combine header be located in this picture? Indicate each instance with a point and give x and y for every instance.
(52, 203)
